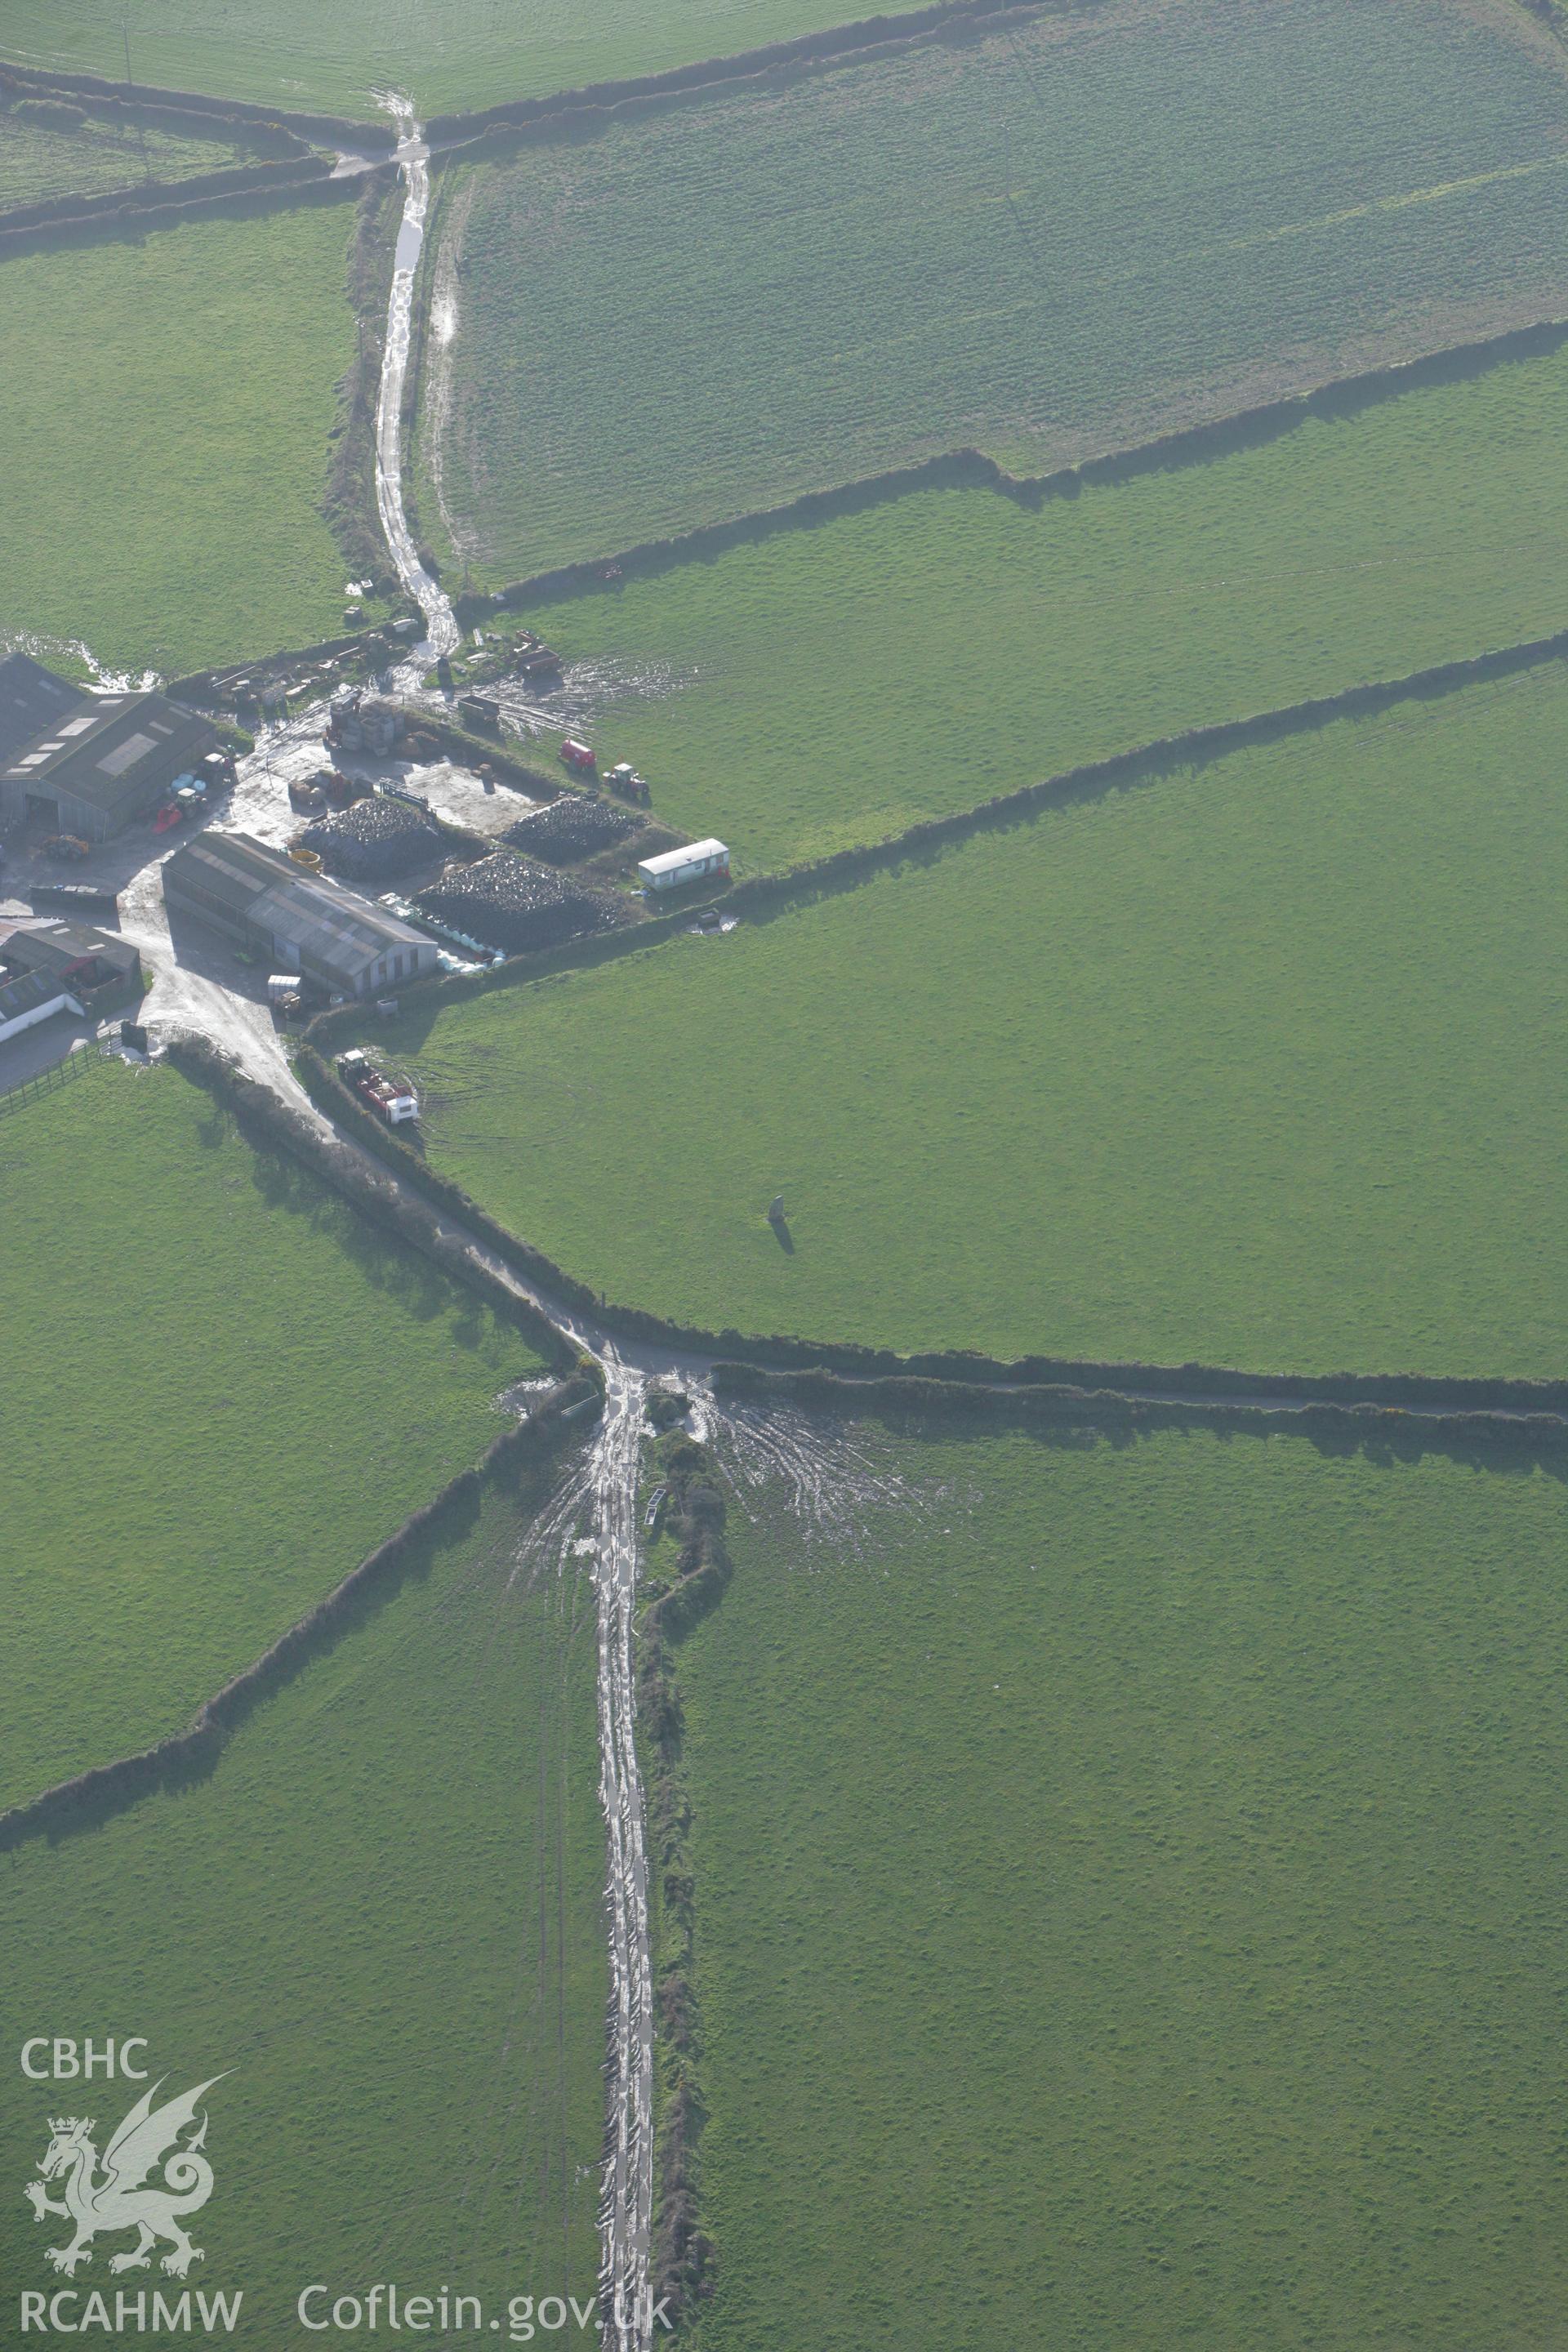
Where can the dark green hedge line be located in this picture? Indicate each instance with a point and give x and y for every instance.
(92, 1797)
(348, 505)
(135, 210)
(562, 1293)
(178, 106)
(262, 1116)
(764, 894)
(1382, 1431)
(1147, 762)
(969, 468)
(242, 179)
(836, 41)
(683, 2254)
(140, 110)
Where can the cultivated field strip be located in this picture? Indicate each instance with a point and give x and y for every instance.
(1048, 240)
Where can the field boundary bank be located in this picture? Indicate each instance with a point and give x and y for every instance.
(164, 205)
(683, 2254)
(833, 45)
(347, 504)
(239, 179)
(858, 36)
(1382, 1432)
(1195, 747)
(88, 1798)
(260, 1114)
(763, 897)
(1337, 397)
(363, 134)
(1498, 1398)
(497, 132)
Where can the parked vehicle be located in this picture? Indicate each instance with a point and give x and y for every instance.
(623, 779)
(578, 755)
(391, 1100)
(165, 819)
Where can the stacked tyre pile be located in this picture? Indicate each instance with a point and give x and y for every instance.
(566, 831)
(374, 841)
(511, 905)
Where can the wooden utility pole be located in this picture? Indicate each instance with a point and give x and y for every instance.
(130, 96)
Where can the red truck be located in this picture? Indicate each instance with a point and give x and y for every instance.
(577, 755)
(384, 1095)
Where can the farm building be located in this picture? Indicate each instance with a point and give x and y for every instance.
(57, 967)
(88, 764)
(301, 922)
(674, 867)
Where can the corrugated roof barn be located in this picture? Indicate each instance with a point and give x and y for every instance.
(303, 921)
(88, 763)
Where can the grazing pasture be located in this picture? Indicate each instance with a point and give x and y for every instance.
(466, 53)
(1126, 1896)
(1259, 1063)
(1086, 228)
(227, 1389)
(47, 154)
(379, 1920)
(165, 411)
(834, 684)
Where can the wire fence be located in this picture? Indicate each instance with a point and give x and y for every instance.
(86, 1056)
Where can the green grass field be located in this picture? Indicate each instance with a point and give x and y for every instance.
(1063, 239)
(844, 680)
(39, 159)
(1261, 1064)
(382, 1914)
(467, 53)
(1127, 1907)
(225, 1389)
(165, 408)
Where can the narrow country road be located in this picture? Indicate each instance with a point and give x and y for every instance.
(626, 2211)
(413, 157)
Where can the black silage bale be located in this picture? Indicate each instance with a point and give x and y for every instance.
(512, 904)
(570, 828)
(375, 838)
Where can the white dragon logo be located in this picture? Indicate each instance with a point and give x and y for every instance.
(116, 2200)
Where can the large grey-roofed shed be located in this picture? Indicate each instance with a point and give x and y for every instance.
(32, 700)
(88, 763)
(302, 921)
